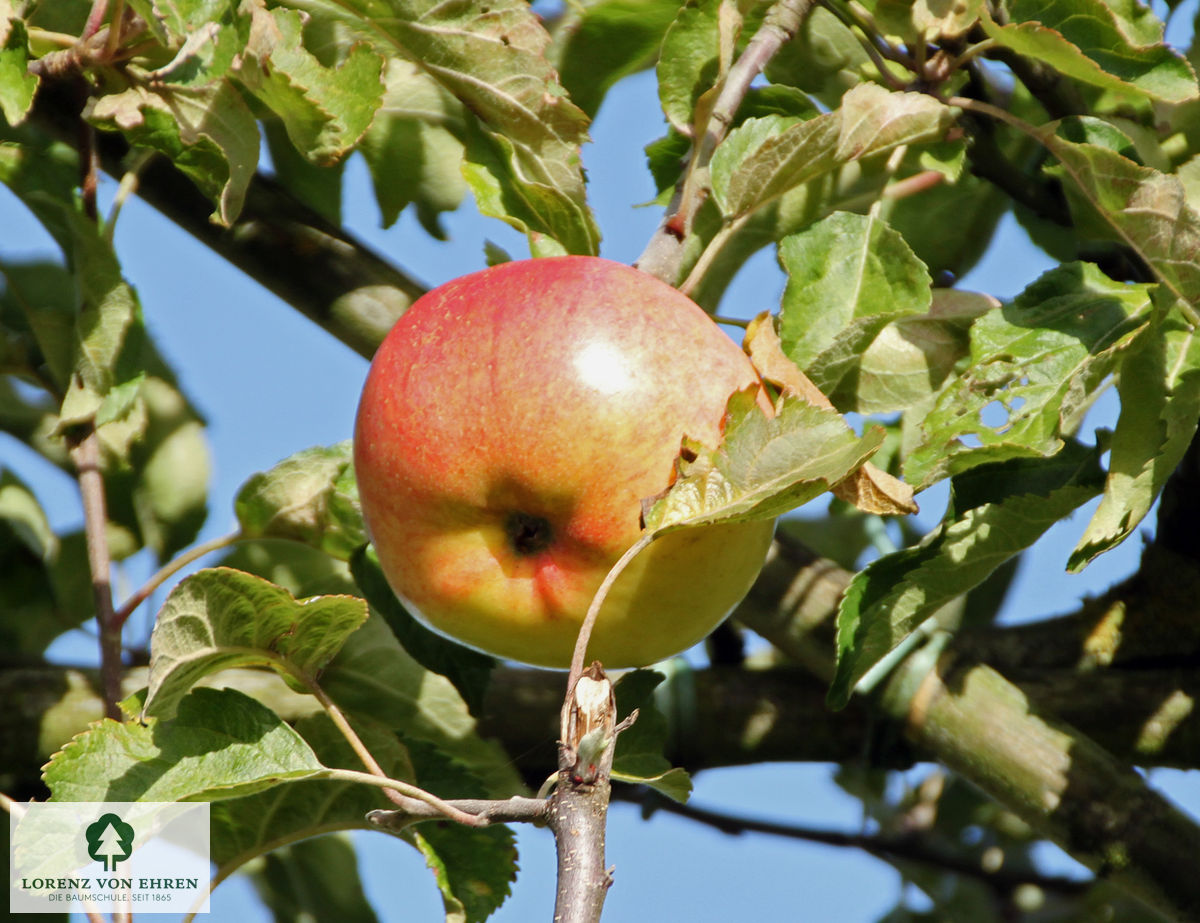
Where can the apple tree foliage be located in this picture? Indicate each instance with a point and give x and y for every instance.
(873, 146)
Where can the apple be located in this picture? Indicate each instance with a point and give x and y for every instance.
(510, 425)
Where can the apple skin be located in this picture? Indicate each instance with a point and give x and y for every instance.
(511, 424)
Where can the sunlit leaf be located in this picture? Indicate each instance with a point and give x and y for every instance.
(220, 618)
(996, 512)
(764, 467)
(490, 54)
(1085, 40)
(309, 497)
(1159, 384)
(1141, 207)
(760, 162)
(326, 110)
(220, 744)
(207, 131)
(846, 269)
(870, 368)
(17, 85)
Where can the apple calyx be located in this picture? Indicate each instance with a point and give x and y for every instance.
(527, 534)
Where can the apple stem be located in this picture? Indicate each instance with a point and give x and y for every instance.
(589, 620)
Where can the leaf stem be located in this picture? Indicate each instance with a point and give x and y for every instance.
(410, 791)
(401, 793)
(170, 569)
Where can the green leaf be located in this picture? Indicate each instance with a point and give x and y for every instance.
(468, 669)
(885, 364)
(254, 825)
(301, 569)
(473, 867)
(309, 497)
(925, 20)
(1035, 365)
(1142, 208)
(220, 618)
(109, 333)
(639, 758)
(490, 54)
(760, 162)
(318, 187)
(46, 590)
(326, 110)
(413, 147)
(1159, 384)
(17, 85)
(608, 40)
(996, 512)
(39, 297)
(374, 677)
(688, 65)
(550, 220)
(846, 269)
(764, 467)
(220, 744)
(1085, 40)
(825, 59)
(207, 131)
(314, 879)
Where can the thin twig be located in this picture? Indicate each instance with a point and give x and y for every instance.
(169, 569)
(907, 848)
(497, 811)
(85, 455)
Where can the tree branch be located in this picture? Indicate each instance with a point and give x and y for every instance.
(905, 848)
(313, 265)
(663, 255)
(85, 454)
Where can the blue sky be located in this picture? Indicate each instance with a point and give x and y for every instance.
(271, 383)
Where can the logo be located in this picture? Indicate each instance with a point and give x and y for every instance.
(109, 840)
(116, 857)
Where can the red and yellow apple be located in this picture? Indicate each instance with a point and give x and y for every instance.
(511, 424)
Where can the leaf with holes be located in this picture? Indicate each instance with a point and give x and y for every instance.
(1035, 366)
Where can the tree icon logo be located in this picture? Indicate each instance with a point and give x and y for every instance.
(110, 840)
